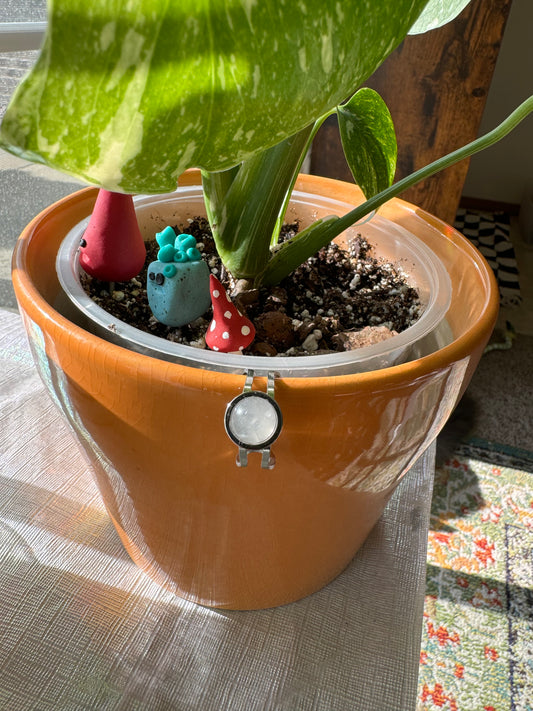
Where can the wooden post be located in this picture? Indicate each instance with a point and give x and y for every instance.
(435, 86)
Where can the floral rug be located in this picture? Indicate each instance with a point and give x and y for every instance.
(477, 639)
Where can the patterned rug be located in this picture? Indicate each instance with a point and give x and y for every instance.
(477, 640)
(490, 233)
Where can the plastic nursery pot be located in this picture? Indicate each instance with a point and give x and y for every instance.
(247, 537)
(389, 241)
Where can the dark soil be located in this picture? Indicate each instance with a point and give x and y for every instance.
(336, 301)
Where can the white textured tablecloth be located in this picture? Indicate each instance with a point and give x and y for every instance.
(82, 628)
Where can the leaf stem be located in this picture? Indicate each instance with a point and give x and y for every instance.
(310, 240)
(281, 217)
(436, 166)
(243, 207)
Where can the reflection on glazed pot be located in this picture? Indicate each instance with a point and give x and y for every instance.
(203, 528)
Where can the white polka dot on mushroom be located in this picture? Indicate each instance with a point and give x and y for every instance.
(245, 330)
(213, 325)
(227, 314)
(216, 293)
(225, 335)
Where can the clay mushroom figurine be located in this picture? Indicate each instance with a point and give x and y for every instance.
(112, 248)
(229, 331)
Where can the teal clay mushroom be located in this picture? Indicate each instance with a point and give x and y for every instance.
(178, 282)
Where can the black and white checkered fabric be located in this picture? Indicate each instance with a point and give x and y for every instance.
(490, 233)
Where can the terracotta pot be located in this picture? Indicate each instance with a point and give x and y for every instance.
(204, 528)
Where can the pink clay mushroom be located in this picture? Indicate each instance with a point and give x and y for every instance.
(112, 248)
(229, 330)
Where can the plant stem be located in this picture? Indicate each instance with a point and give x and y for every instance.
(310, 240)
(217, 185)
(279, 222)
(479, 144)
(243, 206)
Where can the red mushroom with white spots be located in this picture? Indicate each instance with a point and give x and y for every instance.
(229, 331)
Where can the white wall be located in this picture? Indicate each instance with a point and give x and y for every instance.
(505, 171)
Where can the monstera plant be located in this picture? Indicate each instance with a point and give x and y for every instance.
(129, 94)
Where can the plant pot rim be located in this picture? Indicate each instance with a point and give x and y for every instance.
(428, 332)
(38, 308)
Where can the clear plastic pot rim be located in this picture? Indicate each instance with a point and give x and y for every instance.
(423, 268)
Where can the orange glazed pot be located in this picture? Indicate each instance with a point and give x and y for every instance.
(209, 531)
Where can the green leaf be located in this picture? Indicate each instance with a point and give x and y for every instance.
(437, 13)
(323, 231)
(479, 144)
(243, 216)
(127, 94)
(368, 141)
